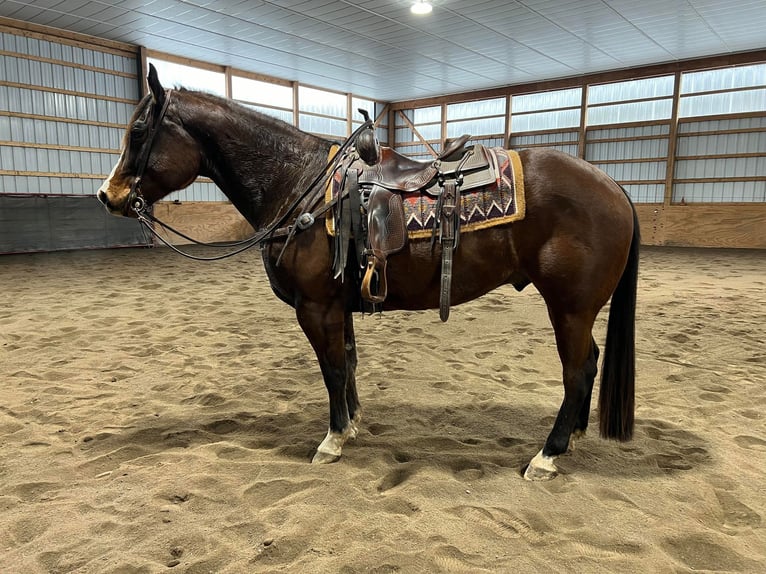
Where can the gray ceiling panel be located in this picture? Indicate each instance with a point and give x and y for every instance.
(378, 49)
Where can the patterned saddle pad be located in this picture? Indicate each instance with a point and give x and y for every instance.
(495, 204)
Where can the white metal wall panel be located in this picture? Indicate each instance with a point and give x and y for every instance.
(632, 131)
(561, 141)
(711, 168)
(73, 136)
(624, 173)
(200, 190)
(64, 110)
(698, 158)
(619, 150)
(716, 125)
(646, 192)
(488, 142)
(747, 142)
(721, 191)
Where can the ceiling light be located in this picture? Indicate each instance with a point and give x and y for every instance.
(421, 8)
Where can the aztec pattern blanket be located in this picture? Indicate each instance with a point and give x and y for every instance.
(502, 202)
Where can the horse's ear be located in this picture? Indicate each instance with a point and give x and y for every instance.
(158, 93)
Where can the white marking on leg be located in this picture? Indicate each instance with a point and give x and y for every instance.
(331, 447)
(541, 467)
(332, 443)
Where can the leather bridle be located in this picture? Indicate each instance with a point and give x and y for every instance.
(304, 220)
(135, 199)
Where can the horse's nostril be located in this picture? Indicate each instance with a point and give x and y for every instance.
(101, 196)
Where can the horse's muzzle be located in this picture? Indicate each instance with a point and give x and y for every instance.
(111, 208)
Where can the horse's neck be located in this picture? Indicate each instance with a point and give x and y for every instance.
(259, 168)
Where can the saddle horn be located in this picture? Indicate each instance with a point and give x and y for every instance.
(367, 146)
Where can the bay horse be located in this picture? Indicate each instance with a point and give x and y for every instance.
(578, 245)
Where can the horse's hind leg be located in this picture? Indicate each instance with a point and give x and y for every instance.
(325, 328)
(591, 369)
(574, 344)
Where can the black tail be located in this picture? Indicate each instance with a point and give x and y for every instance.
(617, 394)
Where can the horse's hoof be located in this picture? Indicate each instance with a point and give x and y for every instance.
(541, 468)
(324, 458)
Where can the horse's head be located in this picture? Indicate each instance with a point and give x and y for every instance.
(158, 155)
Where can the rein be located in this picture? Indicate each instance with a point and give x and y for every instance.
(273, 231)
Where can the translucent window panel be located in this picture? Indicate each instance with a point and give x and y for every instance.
(631, 90)
(632, 112)
(367, 105)
(724, 79)
(546, 100)
(481, 126)
(259, 92)
(427, 115)
(429, 132)
(321, 102)
(321, 125)
(550, 120)
(724, 103)
(171, 74)
(465, 110)
(284, 115)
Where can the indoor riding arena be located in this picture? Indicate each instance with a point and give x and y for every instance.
(238, 238)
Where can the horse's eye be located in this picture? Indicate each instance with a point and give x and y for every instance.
(138, 128)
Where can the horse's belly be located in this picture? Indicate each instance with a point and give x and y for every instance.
(482, 262)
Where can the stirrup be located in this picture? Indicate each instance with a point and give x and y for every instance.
(374, 285)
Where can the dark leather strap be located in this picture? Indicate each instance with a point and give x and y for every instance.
(450, 222)
(358, 223)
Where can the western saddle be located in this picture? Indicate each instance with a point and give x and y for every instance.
(373, 214)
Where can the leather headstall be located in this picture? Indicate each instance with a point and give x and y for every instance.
(135, 199)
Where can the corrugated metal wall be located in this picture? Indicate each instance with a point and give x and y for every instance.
(63, 108)
(701, 145)
(688, 137)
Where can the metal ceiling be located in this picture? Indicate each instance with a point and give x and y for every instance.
(379, 49)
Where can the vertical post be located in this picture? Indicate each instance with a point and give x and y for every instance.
(227, 77)
(142, 69)
(296, 118)
(443, 127)
(508, 116)
(391, 128)
(583, 130)
(672, 140)
(349, 114)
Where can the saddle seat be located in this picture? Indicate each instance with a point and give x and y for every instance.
(396, 172)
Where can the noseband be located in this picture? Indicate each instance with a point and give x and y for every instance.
(135, 199)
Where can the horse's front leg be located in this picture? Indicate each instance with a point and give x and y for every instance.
(352, 398)
(325, 328)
